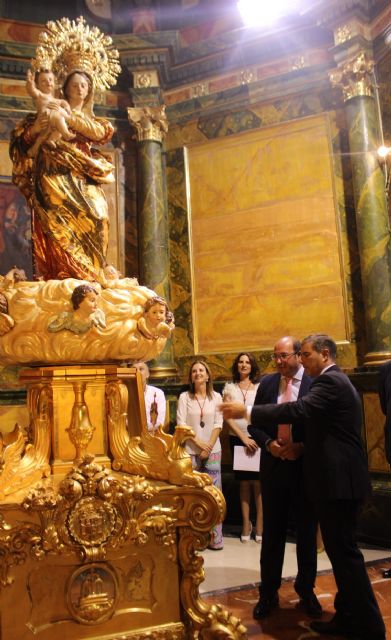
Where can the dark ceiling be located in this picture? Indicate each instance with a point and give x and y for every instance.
(170, 14)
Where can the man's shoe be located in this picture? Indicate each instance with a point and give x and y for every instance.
(311, 605)
(332, 627)
(335, 627)
(264, 606)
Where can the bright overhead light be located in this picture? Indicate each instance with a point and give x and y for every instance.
(383, 151)
(260, 12)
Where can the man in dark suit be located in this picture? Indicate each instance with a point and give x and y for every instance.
(282, 486)
(337, 481)
(385, 403)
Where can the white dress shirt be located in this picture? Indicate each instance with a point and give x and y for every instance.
(296, 382)
(153, 394)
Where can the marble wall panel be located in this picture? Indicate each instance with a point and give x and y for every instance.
(187, 129)
(180, 283)
(265, 241)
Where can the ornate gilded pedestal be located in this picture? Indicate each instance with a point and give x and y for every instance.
(89, 551)
(101, 523)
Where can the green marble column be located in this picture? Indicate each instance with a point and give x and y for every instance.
(150, 124)
(373, 230)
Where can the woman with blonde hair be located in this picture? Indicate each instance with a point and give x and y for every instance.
(198, 408)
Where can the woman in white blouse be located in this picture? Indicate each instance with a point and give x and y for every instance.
(198, 408)
(245, 376)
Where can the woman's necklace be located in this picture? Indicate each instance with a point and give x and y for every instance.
(201, 406)
(245, 392)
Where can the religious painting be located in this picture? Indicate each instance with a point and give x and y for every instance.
(15, 231)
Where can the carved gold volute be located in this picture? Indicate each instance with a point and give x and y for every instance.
(150, 123)
(355, 78)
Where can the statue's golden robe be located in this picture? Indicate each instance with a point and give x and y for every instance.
(62, 184)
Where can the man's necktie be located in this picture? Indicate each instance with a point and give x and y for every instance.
(153, 412)
(284, 430)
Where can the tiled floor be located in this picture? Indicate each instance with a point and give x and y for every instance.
(232, 576)
(238, 564)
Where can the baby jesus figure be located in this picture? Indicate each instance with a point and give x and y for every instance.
(41, 88)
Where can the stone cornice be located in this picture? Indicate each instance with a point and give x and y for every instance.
(242, 97)
(227, 52)
(333, 11)
(235, 51)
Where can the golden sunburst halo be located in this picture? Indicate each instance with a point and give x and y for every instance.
(70, 45)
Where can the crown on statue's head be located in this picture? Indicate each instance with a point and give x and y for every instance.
(71, 45)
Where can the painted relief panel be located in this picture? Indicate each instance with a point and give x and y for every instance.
(265, 251)
(374, 433)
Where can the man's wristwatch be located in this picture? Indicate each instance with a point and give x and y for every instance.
(267, 445)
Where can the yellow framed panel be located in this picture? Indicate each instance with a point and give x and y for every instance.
(265, 238)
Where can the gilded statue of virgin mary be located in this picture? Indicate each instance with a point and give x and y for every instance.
(62, 177)
(63, 181)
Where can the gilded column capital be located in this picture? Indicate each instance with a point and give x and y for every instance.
(150, 123)
(355, 77)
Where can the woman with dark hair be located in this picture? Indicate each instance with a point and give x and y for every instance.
(198, 409)
(243, 388)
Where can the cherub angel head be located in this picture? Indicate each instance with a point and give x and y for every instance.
(85, 300)
(155, 311)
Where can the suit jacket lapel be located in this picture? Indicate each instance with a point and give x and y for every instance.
(274, 388)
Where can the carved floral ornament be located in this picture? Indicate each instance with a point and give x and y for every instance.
(355, 78)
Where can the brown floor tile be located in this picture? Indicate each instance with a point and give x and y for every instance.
(288, 622)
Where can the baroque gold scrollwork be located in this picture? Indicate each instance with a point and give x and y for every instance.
(206, 621)
(23, 462)
(15, 545)
(164, 632)
(204, 511)
(160, 456)
(94, 511)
